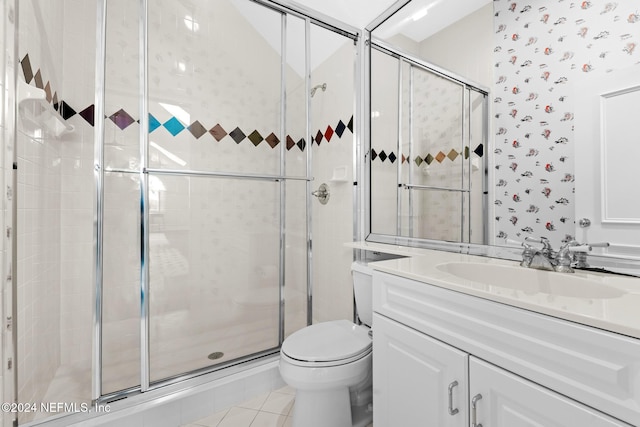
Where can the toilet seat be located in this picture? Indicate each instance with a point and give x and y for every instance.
(327, 344)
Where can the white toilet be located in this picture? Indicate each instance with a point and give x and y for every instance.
(329, 365)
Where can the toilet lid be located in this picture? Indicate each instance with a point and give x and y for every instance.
(328, 341)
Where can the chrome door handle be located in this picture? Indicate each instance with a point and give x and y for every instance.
(584, 222)
(474, 405)
(452, 411)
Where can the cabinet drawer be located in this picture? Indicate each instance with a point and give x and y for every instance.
(599, 368)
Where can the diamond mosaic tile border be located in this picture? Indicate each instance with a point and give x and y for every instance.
(439, 157)
(123, 120)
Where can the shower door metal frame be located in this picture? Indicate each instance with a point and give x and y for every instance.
(466, 85)
(9, 137)
(285, 8)
(98, 219)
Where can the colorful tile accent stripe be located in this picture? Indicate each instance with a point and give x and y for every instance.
(429, 158)
(123, 120)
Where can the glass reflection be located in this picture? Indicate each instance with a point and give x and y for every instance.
(214, 263)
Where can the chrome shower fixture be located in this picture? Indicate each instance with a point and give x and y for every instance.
(323, 86)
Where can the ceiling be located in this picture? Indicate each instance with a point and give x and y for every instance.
(438, 14)
(357, 13)
(420, 19)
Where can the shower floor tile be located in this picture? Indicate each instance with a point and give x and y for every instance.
(266, 410)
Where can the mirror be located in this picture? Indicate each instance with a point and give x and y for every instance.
(429, 116)
(529, 59)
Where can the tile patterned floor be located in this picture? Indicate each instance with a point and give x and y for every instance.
(272, 409)
(267, 410)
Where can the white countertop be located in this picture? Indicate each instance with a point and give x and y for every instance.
(612, 302)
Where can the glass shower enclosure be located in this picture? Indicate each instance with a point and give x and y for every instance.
(164, 221)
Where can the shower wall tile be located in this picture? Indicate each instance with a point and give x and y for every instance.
(54, 201)
(78, 53)
(77, 199)
(384, 131)
(333, 222)
(39, 262)
(40, 25)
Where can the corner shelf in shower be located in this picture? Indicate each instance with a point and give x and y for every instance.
(38, 113)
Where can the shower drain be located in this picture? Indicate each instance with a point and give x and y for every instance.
(215, 355)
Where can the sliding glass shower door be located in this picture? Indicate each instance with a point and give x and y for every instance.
(215, 85)
(163, 214)
(211, 180)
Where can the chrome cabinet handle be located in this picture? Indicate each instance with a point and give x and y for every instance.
(474, 405)
(452, 411)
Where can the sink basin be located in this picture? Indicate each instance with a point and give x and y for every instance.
(529, 280)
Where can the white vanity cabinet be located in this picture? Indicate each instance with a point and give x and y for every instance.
(511, 367)
(416, 375)
(503, 399)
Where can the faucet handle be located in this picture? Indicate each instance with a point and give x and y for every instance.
(543, 240)
(566, 256)
(512, 242)
(546, 245)
(581, 258)
(579, 248)
(527, 253)
(599, 245)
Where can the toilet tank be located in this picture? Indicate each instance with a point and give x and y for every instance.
(362, 289)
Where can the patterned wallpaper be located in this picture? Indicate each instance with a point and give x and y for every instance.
(542, 47)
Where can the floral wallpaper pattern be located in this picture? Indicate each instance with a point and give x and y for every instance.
(541, 48)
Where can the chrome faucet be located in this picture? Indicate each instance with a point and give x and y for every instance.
(580, 258)
(540, 259)
(527, 255)
(566, 256)
(571, 254)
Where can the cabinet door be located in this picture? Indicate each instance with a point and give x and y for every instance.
(508, 400)
(417, 381)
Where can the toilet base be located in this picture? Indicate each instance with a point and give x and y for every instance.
(322, 408)
(330, 408)
(362, 416)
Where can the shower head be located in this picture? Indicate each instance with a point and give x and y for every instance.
(323, 86)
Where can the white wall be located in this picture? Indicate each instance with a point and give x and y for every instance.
(464, 46)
